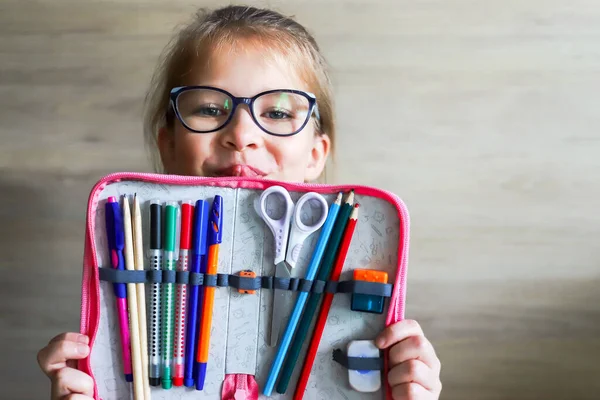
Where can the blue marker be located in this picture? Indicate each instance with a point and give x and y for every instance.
(198, 264)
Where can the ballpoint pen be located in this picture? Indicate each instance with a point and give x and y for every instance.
(196, 292)
(134, 317)
(168, 298)
(215, 226)
(116, 243)
(187, 213)
(155, 256)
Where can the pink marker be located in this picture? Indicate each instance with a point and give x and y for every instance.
(116, 244)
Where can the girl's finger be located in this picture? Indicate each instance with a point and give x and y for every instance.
(397, 332)
(413, 371)
(77, 396)
(414, 348)
(70, 336)
(411, 391)
(68, 381)
(54, 356)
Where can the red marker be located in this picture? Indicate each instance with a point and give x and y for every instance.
(185, 239)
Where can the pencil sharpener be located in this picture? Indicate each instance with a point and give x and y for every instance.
(367, 302)
(247, 274)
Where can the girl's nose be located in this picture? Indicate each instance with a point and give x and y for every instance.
(241, 133)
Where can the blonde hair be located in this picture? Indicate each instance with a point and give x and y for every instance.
(210, 31)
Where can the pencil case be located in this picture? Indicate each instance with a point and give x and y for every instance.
(240, 358)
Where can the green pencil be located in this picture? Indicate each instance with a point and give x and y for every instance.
(323, 274)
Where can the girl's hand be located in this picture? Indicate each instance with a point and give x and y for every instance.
(57, 361)
(414, 367)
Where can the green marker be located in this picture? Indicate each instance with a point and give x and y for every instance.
(168, 296)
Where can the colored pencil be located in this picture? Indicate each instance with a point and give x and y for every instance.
(313, 301)
(326, 305)
(302, 296)
(138, 250)
(134, 320)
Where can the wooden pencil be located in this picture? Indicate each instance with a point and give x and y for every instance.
(136, 360)
(138, 249)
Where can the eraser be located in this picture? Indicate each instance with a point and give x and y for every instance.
(364, 381)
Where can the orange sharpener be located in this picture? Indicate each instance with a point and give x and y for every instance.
(247, 274)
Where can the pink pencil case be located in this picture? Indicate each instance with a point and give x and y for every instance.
(239, 338)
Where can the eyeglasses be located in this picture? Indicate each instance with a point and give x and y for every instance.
(282, 112)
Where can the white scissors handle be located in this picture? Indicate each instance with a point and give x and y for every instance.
(300, 231)
(279, 227)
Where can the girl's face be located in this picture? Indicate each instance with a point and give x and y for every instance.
(241, 148)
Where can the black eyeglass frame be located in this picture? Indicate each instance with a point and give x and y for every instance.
(249, 101)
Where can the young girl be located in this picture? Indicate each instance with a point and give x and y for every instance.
(244, 91)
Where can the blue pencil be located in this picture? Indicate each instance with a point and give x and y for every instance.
(302, 297)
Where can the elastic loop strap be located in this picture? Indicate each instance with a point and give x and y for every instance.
(183, 277)
(304, 285)
(169, 276)
(245, 283)
(364, 287)
(357, 363)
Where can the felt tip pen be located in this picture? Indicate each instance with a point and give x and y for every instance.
(215, 227)
(196, 293)
(187, 213)
(168, 297)
(155, 257)
(116, 244)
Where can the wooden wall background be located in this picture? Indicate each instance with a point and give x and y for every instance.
(482, 116)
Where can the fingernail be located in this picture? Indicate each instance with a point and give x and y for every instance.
(83, 339)
(380, 342)
(82, 349)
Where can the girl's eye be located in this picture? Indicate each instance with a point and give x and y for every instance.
(209, 110)
(277, 114)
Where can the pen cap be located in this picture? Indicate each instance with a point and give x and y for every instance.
(170, 226)
(200, 226)
(114, 224)
(216, 221)
(155, 225)
(187, 216)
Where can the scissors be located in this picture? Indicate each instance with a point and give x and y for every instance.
(289, 233)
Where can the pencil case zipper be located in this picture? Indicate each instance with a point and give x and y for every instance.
(90, 304)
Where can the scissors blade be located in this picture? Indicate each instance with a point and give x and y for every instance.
(279, 302)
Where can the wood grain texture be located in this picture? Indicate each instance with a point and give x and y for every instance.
(482, 116)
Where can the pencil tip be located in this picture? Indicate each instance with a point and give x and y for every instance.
(350, 198)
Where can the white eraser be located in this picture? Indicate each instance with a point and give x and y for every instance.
(364, 381)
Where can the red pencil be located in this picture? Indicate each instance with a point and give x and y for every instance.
(326, 305)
